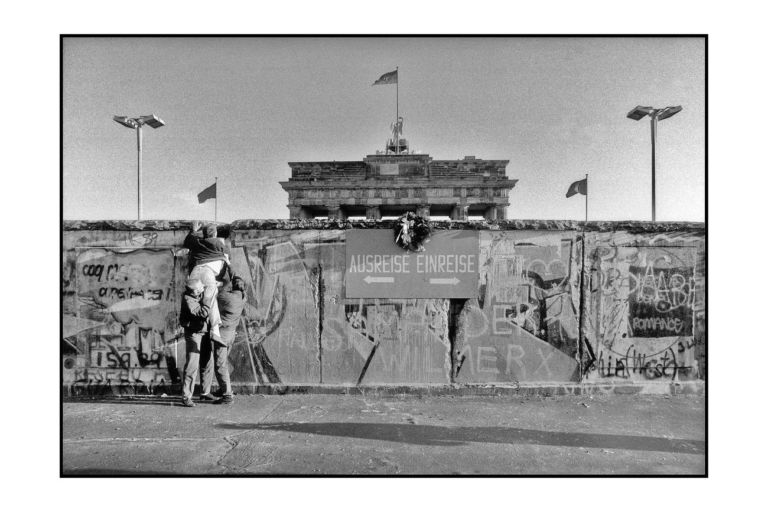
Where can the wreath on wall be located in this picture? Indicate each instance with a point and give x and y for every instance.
(412, 232)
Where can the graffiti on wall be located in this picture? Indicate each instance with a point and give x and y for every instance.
(660, 300)
(642, 303)
(392, 340)
(644, 321)
(277, 341)
(524, 325)
(122, 328)
(300, 328)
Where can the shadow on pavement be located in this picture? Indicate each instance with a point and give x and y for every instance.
(456, 436)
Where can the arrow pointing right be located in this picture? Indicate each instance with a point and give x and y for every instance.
(444, 280)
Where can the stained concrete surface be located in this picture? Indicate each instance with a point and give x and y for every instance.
(401, 435)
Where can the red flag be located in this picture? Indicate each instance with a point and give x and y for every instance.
(208, 193)
(387, 78)
(577, 187)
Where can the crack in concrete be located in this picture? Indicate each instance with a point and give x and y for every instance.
(236, 445)
(282, 400)
(232, 445)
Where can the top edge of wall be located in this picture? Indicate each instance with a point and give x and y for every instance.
(285, 224)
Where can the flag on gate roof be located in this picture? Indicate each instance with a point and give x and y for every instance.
(577, 187)
(387, 78)
(208, 193)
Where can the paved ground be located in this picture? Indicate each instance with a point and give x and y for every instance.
(361, 435)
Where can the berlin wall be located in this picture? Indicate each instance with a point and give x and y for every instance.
(627, 306)
(646, 306)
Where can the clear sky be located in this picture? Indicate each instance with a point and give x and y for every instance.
(242, 108)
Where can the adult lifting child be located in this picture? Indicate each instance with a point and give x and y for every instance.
(209, 262)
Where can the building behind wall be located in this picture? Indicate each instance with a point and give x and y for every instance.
(397, 180)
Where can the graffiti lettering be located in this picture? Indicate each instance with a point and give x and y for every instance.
(128, 314)
(491, 358)
(663, 293)
(544, 362)
(644, 294)
(144, 239)
(115, 272)
(644, 315)
(664, 365)
(129, 293)
(674, 325)
(526, 313)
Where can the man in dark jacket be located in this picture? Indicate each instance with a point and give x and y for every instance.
(231, 305)
(194, 319)
(205, 247)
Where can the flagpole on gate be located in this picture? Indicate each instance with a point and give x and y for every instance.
(216, 200)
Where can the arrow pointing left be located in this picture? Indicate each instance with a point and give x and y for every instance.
(371, 279)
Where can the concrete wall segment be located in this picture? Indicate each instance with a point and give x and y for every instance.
(644, 311)
(120, 309)
(523, 327)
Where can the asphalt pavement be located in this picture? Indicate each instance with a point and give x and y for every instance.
(396, 435)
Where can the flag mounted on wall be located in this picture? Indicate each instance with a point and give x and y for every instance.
(208, 193)
(387, 78)
(577, 187)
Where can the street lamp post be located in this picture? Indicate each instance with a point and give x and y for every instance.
(135, 123)
(656, 115)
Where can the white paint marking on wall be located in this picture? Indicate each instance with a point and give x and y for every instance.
(131, 304)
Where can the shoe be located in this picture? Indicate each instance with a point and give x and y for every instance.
(225, 400)
(187, 402)
(208, 398)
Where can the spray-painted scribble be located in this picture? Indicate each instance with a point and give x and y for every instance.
(524, 325)
(280, 320)
(123, 328)
(642, 303)
(644, 313)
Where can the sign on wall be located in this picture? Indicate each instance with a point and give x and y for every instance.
(378, 268)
